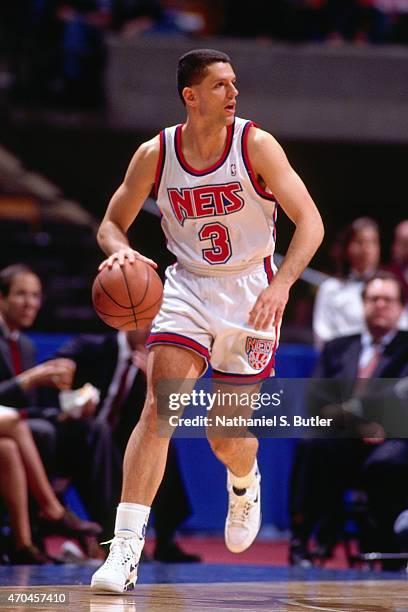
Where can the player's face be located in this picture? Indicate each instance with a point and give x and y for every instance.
(20, 307)
(217, 92)
(363, 251)
(382, 305)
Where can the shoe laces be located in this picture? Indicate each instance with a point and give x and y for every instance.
(240, 509)
(121, 552)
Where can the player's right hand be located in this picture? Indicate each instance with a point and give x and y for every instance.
(125, 254)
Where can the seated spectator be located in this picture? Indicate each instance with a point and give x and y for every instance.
(399, 253)
(325, 468)
(94, 467)
(338, 309)
(399, 264)
(121, 360)
(21, 470)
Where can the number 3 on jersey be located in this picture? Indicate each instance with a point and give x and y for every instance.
(220, 250)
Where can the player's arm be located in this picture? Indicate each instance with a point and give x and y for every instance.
(126, 204)
(270, 162)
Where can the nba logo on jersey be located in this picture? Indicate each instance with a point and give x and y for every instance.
(258, 351)
(233, 169)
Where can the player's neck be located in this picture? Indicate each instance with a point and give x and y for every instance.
(203, 143)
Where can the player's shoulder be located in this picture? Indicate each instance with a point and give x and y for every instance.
(258, 135)
(259, 141)
(146, 156)
(150, 148)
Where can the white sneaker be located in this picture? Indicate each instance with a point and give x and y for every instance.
(244, 516)
(119, 572)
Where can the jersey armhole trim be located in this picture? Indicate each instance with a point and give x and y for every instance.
(160, 163)
(268, 268)
(245, 156)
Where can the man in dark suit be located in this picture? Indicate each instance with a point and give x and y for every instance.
(116, 365)
(80, 449)
(325, 468)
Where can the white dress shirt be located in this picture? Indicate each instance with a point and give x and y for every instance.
(338, 310)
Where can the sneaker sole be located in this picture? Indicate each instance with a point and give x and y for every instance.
(113, 587)
(104, 585)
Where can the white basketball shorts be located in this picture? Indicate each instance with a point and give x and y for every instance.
(209, 315)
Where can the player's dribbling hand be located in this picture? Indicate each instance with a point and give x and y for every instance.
(125, 254)
(268, 309)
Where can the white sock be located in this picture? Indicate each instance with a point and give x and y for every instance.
(243, 482)
(131, 520)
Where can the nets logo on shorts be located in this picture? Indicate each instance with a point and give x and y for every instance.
(259, 352)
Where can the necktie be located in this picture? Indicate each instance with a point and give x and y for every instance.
(366, 371)
(120, 396)
(15, 355)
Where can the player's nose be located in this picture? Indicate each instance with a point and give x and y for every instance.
(233, 91)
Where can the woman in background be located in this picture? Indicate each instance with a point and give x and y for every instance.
(21, 470)
(338, 309)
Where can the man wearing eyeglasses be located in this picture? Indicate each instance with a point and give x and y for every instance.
(325, 468)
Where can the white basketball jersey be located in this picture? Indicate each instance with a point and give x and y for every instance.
(217, 220)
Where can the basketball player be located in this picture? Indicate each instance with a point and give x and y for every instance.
(218, 179)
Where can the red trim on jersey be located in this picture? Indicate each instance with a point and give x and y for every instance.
(268, 268)
(245, 155)
(160, 163)
(184, 163)
(178, 340)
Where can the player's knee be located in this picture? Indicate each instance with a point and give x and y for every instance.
(13, 419)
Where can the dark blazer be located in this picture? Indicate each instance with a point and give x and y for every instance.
(339, 358)
(96, 358)
(11, 394)
(336, 373)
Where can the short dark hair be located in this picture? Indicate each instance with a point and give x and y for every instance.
(7, 275)
(192, 67)
(344, 238)
(384, 275)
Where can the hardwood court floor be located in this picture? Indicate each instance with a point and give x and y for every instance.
(207, 587)
(346, 596)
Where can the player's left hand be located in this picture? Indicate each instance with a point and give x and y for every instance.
(268, 309)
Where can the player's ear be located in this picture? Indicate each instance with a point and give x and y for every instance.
(189, 96)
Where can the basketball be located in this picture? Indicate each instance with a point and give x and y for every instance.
(127, 297)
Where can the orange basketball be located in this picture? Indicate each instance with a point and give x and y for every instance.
(127, 297)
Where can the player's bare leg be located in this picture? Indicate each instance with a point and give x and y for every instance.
(146, 451)
(236, 448)
(144, 464)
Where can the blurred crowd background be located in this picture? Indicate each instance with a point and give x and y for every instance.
(56, 48)
(83, 83)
